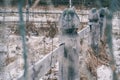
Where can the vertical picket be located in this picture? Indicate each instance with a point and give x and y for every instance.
(69, 62)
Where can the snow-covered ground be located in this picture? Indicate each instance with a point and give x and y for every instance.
(39, 46)
(37, 49)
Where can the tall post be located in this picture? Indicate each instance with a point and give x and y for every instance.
(69, 61)
(70, 3)
(3, 52)
(105, 20)
(94, 29)
(100, 28)
(27, 11)
(3, 47)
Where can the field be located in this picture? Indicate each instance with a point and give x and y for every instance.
(42, 37)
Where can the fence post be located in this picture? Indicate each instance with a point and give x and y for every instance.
(94, 29)
(69, 60)
(3, 53)
(100, 28)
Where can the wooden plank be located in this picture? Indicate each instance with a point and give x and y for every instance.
(41, 67)
(84, 32)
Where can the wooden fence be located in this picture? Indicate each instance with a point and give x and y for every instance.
(43, 66)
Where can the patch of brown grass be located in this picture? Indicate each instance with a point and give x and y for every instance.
(10, 60)
(93, 60)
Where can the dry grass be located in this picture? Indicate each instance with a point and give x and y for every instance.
(50, 31)
(10, 60)
(83, 77)
(93, 60)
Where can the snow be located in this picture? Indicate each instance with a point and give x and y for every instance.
(37, 51)
(104, 73)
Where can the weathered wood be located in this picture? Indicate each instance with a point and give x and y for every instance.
(94, 29)
(100, 28)
(84, 32)
(69, 63)
(41, 67)
(46, 60)
(3, 51)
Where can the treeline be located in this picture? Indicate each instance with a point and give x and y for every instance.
(99, 3)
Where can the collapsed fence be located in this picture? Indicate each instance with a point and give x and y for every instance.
(9, 17)
(43, 66)
(35, 16)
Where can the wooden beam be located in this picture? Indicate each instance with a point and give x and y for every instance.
(41, 67)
